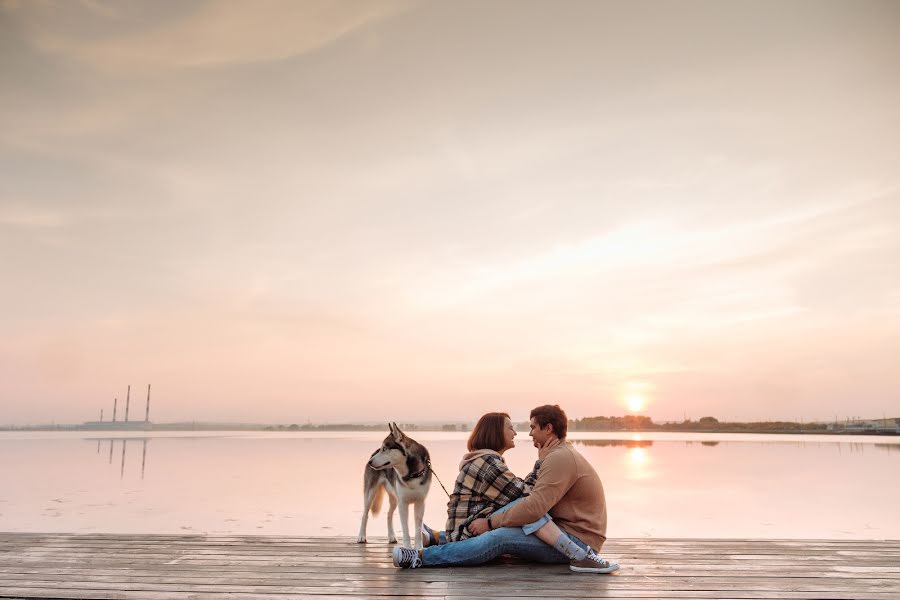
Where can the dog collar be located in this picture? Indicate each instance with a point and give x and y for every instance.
(416, 475)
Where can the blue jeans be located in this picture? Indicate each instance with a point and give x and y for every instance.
(528, 529)
(488, 546)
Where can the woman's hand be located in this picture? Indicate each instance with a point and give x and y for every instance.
(549, 445)
(478, 526)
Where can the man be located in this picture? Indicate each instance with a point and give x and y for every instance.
(567, 487)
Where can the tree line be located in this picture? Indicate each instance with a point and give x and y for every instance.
(643, 423)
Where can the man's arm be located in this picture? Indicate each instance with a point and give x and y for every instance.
(556, 476)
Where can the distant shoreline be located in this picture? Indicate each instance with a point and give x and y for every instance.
(786, 428)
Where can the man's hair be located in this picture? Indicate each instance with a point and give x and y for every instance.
(553, 414)
(488, 432)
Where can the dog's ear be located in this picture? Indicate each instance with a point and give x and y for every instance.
(398, 435)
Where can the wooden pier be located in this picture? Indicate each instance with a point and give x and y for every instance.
(248, 567)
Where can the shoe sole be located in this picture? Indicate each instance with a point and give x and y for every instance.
(612, 567)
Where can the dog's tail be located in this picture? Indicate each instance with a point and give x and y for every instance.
(377, 500)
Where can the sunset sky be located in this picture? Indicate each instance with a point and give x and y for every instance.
(280, 211)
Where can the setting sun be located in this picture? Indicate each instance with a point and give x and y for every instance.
(635, 402)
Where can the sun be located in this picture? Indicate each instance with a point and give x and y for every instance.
(635, 402)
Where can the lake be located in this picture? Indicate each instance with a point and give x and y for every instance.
(303, 483)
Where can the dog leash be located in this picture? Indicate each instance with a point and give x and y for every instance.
(428, 462)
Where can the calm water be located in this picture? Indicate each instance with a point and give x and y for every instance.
(660, 485)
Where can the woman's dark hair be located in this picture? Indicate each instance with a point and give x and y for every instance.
(553, 414)
(488, 432)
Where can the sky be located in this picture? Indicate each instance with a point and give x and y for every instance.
(321, 211)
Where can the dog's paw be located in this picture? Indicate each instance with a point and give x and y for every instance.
(361, 539)
(392, 539)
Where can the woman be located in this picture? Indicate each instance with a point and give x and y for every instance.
(485, 484)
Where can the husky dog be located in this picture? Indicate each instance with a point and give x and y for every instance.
(402, 468)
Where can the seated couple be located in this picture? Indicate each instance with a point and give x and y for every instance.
(557, 514)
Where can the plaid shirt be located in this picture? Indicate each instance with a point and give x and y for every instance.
(484, 484)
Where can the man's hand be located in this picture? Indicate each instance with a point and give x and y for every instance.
(478, 526)
(549, 445)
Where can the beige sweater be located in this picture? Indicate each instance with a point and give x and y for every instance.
(569, 489)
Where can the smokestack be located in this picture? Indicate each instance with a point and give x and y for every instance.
(101, 415)
(127, 403)
(115, 404)
(147, 416)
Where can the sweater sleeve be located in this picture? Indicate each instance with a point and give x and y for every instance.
(555, 478)
(531, 478)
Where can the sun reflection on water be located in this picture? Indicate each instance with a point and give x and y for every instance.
(637, 456)
(637, 463)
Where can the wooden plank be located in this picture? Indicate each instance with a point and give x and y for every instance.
(654, 546)
(179, 595)
(570, 582)
(364, 572)
(741, 562)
